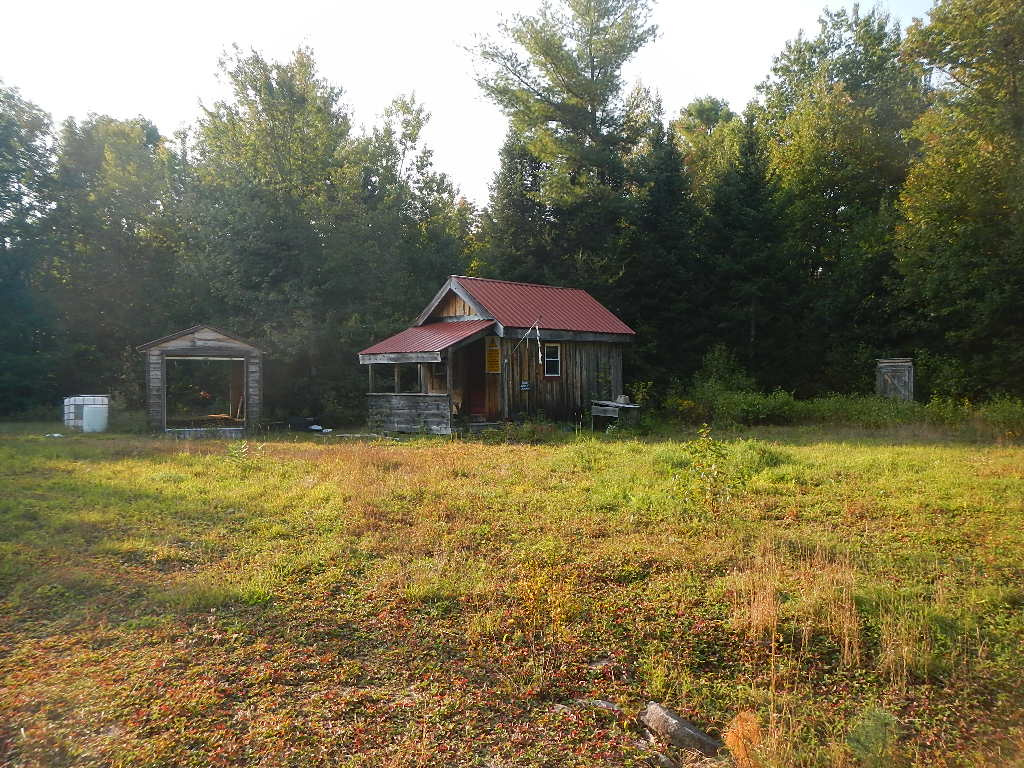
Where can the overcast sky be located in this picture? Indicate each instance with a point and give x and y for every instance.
(159, 60)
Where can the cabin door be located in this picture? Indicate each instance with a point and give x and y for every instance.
(476, 383)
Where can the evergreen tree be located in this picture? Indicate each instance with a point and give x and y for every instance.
(748, 284)
(558, 76)
(516, 229)
(656, 283)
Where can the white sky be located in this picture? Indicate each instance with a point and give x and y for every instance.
(139, 58)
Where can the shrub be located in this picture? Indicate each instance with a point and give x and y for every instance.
(858, 410)
(679, 408)
(711, 488)
(721, 370)
(641, 392)
(946, 411)
(1005, 416)
(752, 408)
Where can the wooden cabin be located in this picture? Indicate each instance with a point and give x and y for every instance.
(489, 350)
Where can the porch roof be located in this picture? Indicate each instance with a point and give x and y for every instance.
(432, 337)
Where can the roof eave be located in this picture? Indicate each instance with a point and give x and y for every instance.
(555, 334)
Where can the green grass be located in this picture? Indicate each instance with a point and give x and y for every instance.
(856, 594)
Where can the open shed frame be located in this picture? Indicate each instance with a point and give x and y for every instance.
(201, 342)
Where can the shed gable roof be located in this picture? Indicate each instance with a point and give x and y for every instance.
(521, 305)
(196, 330)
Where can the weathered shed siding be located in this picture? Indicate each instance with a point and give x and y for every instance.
(589, 370)
(254, 389)
(155, 389)
(203, 341)
(452, 305)
(410, 413)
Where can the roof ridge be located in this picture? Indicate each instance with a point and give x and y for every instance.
(519, 282)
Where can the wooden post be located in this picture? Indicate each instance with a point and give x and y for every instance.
(448, 381)
(421, 368)
(253, 389)
(398, 387)
(370, 369)
(504, 382)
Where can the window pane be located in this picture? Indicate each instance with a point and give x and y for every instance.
(552, 363)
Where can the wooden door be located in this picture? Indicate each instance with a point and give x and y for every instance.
(476, 385)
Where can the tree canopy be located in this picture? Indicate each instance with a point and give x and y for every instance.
(869, 203)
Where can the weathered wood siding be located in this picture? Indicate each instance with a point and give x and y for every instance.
(451, 305)
(155, 389)
(205, 341)
(410, 413)
(894, 377)
(589, 370)
(253, 389)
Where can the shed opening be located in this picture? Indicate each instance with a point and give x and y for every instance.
(205, 392)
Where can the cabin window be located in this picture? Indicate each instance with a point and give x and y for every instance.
(552, 359)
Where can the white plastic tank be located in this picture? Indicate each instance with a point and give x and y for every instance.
(94, 418)
(74, 411)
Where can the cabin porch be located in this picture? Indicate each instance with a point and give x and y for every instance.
(429, 391)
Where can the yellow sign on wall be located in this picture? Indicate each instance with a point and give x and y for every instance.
(493, 356)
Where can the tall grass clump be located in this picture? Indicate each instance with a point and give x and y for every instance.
(922, 636)
(755, 594)
(802, 595)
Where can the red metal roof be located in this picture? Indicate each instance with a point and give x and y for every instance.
(432, 337)
(520, 305)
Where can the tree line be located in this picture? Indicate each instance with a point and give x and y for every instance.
(868, 203)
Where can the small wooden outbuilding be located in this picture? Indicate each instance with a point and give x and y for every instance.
(894, 377)
(204, 342)
(485, 350)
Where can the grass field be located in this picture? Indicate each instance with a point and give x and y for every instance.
(858, 595)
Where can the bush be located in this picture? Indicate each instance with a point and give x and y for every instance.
(858, 411)
(679, 408)
(1004, 416)
(752, 408)
(946, 412)
(721, 371)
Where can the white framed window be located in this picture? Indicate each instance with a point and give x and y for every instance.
(552, 359)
